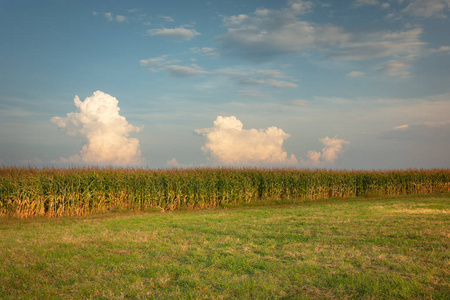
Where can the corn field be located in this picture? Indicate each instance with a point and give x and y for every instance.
(28, 192)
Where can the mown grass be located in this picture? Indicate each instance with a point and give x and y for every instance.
(379, 248)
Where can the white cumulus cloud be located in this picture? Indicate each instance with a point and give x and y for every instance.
(107, 132)
(228, 143)
(333, 148)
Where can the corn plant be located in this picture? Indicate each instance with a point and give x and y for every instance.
(28, 192)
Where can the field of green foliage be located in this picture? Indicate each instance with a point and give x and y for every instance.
(28, 192)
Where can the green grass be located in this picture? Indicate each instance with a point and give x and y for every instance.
(372, 248)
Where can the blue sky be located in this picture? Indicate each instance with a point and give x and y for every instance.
(361, 84)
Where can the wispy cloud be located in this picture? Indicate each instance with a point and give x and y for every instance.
(157, 64)
(254, 93)
(111, 17)
(269, 82)
(161, 63)
(264, 77)
(167, 18)
(359, 3)
(442, 49)
(179, 33)
(396, 68)
(205, 50)
(120, 18)
(381, 44)
(423, 131)
(108, 16)
(298, 102)
(355, 74)
(267, 33)
(185, 71)
(234, 20)
(107, 132)
(401, 127)
(427, 8)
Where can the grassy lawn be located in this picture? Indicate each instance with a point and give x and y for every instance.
(382, 248)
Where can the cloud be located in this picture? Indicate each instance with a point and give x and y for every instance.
(444, 49)
(268, 82)
(33, 162)
(158, 64)
(263, 77)
(434, 124)
(401, 127)
(355, 74)
(229, 144)
(185, 71)
(266, 33)
(359, 3)
(379, 45)
(108, 16)
(333, 148)
(299, 102)
(161, 63)
(167, 18)
(173, 163)
(396, 68)
(107, 132)
(427, 8)
(180, 33)
(253, 77)
(420, 131)
(234, 20)
(269, 32)
(205, 50)
(120, 18)
(254, 93)
(300, 7)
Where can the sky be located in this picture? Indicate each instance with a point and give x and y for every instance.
(358, 84)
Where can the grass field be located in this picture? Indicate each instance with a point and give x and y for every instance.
(365, 248)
